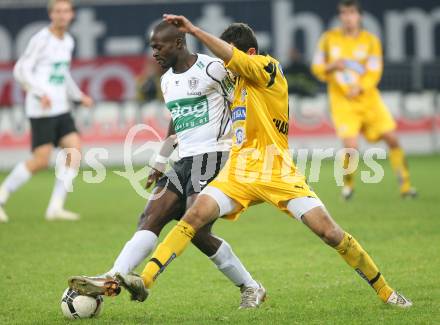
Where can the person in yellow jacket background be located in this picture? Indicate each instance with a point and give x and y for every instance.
(349, 59)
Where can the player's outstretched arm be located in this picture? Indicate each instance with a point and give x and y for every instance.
(218, 47)
(165, 151)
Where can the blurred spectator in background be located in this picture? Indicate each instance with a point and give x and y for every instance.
(148, 82)
(299, 78)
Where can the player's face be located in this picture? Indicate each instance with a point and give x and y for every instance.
(164, 51)
(61, 14)
(350, 17)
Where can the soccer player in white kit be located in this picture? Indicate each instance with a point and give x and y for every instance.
(196, 89)
(43, 72)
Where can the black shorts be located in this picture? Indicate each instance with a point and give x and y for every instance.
(190, 175)
(51, 129)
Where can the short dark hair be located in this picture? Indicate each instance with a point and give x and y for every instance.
(351, 3)
(241, 35)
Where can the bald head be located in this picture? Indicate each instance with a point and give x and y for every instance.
(168, 32)
(168, 44)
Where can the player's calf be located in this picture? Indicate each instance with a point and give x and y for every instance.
(320, 222)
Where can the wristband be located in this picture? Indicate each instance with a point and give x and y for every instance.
(161, 159)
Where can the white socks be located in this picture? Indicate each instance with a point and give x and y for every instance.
(134, 252)
(59, 192)
(229, 264)
(144, 241)
(19, 175)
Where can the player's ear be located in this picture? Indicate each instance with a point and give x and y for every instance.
(179, 43)
(252, 51)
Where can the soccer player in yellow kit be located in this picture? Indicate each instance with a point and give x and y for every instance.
(259, 168)
(349, 60)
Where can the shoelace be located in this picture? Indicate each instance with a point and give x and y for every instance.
(248, 297)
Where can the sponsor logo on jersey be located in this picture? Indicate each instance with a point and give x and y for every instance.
(238, 116)
(193, 83)
(200, 64)
(239, 135)
(59, 70)
(238, 113)
(194, 93)
(355, 66)
(188, 113)
(282, 126)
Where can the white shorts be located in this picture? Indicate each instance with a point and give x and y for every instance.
(297, 207)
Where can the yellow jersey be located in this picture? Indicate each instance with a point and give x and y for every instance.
(362, 56)
(260, 115)
(260, 167)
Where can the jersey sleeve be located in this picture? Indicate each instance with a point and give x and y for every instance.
(320, 59)
(73, 90)
(373, 66)
(222, 79)
(258, 69)
(23, 69)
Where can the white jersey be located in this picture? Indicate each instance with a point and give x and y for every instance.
(44, 69)
(198, 100)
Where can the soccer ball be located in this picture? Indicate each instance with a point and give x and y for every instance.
(74, 305)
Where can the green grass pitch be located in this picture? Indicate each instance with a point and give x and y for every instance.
(307, 282)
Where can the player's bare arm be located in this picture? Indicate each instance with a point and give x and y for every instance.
(218, 47)
(337, 65)
(167, 147)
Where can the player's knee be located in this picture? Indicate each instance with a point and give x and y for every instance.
(41, 162)
(151, 222)
(195, 217)
(391, 140)
(332, 235)
(141, 222)
(393, 143)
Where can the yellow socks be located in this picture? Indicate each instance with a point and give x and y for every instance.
(361, 262)
(172, 246)
(398, 163)
(349, 178)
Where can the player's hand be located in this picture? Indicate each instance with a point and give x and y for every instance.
(87, 101)
(354, 91)
(155, 173)
(45, 102)
(337, 65)
(181, 22)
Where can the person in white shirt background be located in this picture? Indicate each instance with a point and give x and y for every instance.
(43, 72)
